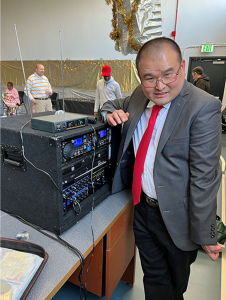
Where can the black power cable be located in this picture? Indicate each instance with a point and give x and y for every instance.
(22, 141)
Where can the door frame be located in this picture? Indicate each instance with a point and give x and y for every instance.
(206, 58)
(203, 58)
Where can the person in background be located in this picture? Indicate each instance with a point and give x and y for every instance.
(11, 99)
(200, 79)
(107, 89)
(169, 153)
(39, 90)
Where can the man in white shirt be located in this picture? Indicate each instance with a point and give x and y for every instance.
(39, 90)
(107, 89)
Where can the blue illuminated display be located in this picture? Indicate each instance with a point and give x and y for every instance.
(103, 133)
(78, 142)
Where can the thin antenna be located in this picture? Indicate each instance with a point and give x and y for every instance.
(61, 67)
(29, 104)
(1, 102)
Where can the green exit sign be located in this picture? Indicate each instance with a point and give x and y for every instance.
(207, 48)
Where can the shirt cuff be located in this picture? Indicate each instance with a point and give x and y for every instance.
(103, 115)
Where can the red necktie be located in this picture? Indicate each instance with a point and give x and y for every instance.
(141, 155)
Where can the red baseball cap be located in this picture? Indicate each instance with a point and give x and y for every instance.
(106, 70)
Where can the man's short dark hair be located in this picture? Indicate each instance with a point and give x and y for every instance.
(198, 70)
(155, 44)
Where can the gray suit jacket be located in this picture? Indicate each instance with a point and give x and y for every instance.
(187, 173)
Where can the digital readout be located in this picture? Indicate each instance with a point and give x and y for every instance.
(102, 133)
(78, 142)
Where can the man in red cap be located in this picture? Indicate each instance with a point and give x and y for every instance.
(107, 89)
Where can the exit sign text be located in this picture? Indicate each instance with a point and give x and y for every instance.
(207, 48)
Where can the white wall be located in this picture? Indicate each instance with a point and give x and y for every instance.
(199, 22)
(85, 26)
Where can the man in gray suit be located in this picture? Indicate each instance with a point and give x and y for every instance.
(176, 214)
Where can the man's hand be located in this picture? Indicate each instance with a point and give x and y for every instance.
(33, 100)
(48, 92)
(96, 114)
(212, 250)
(117, 117)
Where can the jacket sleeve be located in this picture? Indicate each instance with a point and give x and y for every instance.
(205, 172)
(116, 104)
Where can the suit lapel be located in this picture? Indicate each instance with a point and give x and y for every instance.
(138, 105)
(173, 115)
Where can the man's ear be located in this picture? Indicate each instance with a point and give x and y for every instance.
(183, 66)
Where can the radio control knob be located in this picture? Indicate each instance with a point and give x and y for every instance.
(68, 150)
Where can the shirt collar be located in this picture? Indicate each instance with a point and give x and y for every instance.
(38, 75)
(151, 104)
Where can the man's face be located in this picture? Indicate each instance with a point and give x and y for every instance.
(156, 66)
(107, 78)
(40, 70)
(194, 76)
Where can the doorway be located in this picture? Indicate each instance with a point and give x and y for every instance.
(214, 68)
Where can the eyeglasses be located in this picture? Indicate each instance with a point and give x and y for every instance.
(166, 79)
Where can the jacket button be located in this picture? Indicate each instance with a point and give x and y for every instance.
(212, 225)
(213, 235)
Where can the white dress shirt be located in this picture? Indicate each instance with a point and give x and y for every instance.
(147, 182)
